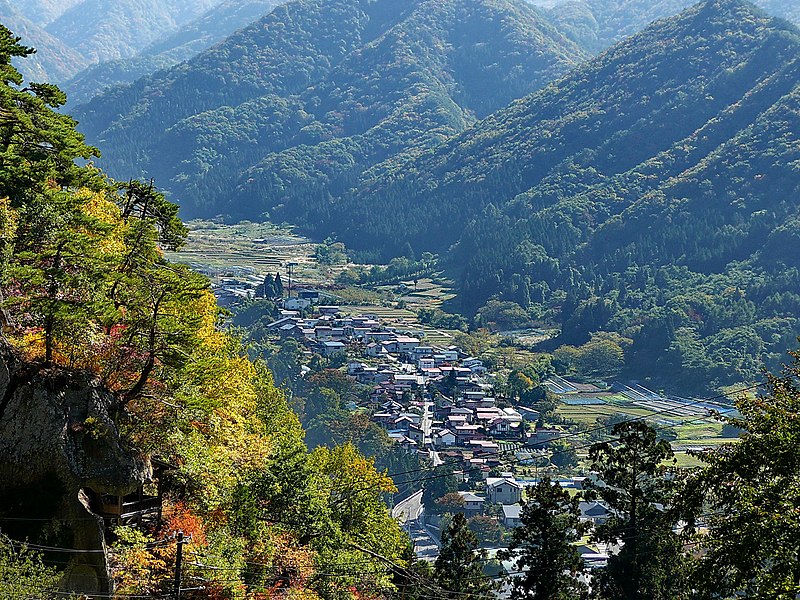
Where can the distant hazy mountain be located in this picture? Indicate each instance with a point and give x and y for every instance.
(215, 25)
(318, 92)
(597, 24)
(187, 41)
(42, 12)
(103, 30)
(53, 59)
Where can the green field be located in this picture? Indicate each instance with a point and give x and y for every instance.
(261, 247)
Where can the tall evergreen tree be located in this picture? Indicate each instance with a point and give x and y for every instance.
(543, 549)
(638, 490)
(268, 287)
(459, 568)
(748, 495)
(278, 283)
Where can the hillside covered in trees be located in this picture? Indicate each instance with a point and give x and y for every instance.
(368, 130)
(111, 42)
(318, 92)
(56, 61)
(648, 193)
(183, 43)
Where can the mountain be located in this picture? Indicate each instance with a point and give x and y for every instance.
(42, 12)
(189, 40)
(651, 192)
(109, 29)
(598, 24)
(53, 59)
(316, 93)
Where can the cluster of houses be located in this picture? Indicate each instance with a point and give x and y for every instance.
(466, 426)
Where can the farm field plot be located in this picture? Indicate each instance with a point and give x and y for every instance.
(257, 248)
(589, 414)
(426, 293)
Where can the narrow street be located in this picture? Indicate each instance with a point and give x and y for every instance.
(409, 513)
(427, 423)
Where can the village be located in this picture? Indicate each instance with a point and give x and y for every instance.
(481, 448)
(438, 403)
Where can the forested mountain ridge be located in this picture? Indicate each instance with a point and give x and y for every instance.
(56, 60)
(42, 12)
(409, 76)
(189, 40)
(589, 201)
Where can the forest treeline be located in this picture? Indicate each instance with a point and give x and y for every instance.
(303, 102)
(647, 194)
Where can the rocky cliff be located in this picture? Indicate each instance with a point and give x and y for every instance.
(60, 449)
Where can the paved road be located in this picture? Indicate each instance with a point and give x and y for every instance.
(427, 423)
(409, 513)
(408, 509)
(425, 545)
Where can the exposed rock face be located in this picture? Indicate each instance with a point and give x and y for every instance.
(59, 447)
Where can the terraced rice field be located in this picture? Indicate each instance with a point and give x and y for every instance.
(255, 248)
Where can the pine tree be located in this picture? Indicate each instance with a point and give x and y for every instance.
(278, 286)
(458, 570)
(639, 492)
(748, 495)
(543, 549)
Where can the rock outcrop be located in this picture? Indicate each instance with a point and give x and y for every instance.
(59, 450)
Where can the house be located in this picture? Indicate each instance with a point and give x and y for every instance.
(296, 303)
(594, 512)
(280, 322)
(499, 427)
(512, 515)
(408, 381)
(448, 355)
(355, 367)
(484, 446)
(426, 364)
(384, 418)
(331, 348)
(503, 490)
(402, 423)
(457, 420)
(465, 412)
(473, 505)
(542, 436)
(379, 336)
(529, 414)
(405, 442)
(416, 433)
(465, 433)
(402, 344)
(444, 437)
(328, 310)
(376, 350)
(422, 352)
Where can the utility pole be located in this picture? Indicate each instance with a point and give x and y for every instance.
(178, 563)
(291, 266)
